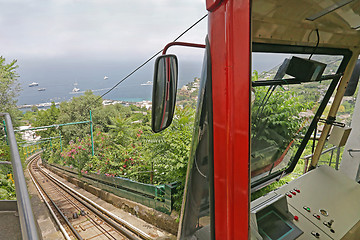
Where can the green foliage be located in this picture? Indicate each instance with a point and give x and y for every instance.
(275, 120)
(4, 151)
(9, 86)
(121, 130)
(7, 186)
(168, 151)
(128, 149)
(46, 118)
(9, 89)
(77, 110)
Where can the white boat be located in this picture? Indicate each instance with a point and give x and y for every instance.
(41, 89)
(106, 77)
(148, 83)
(33, 84)
(75, 89)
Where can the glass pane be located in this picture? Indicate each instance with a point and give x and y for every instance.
(197, 210)
(282, 114)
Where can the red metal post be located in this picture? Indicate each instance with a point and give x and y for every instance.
(230, 43)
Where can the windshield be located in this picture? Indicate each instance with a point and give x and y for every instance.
(198, 204)
(283, 110)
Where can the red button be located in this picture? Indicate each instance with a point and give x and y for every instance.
(297, 190)
(293, 193)
(296, 218)
(289, 195)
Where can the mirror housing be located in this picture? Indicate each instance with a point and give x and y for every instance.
(164, 91)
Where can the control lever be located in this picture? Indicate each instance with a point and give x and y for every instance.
(315, 234)
(329, 223)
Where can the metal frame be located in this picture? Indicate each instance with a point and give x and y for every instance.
(184, 44)
(229, 33)
(273, 48)
(27, 220)
(66, 124)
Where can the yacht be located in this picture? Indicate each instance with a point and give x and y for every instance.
(148, 83)
(33, 84)
(41, 89)
(75, 89)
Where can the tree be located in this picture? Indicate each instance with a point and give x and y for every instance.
(77, 110)
(167, 153)
(34, 108)
(275, 122)
(46, 118)
(9, 89)
(9, 86)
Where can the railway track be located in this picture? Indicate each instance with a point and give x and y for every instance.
(77, 216)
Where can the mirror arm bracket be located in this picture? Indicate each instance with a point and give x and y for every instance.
(185, 44)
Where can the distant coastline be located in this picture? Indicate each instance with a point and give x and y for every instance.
(126, 101)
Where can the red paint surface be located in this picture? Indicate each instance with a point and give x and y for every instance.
(229, 36)
(212, 4)
(184, 44)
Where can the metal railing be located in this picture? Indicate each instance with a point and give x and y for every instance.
(158, 197)
(308, 157)
(27, 220)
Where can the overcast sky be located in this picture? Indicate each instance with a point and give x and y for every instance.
(81, 41)
(68, 41)
(95, 28)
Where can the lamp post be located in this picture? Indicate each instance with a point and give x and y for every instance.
(91, 131)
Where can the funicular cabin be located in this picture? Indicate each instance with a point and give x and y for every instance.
(250, 132)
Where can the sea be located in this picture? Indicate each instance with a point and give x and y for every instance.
(60, 76)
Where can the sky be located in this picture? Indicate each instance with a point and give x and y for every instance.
(62, 42)
(102, 29)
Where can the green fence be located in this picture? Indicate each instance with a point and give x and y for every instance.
(157, 197)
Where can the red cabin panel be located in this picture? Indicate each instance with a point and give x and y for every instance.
(229, 36)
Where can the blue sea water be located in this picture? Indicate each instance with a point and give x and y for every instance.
(59, 77)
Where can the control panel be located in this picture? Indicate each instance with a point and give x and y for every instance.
(321, 204)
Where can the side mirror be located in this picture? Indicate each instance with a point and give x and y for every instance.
(164, 92)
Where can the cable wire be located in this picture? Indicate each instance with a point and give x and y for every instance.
(152, 57)
(317, 43)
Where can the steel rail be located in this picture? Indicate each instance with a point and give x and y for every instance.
(119, 220)
(59, 211)
(37, 186)
(76, 233)
(99, 210)
(61, 191)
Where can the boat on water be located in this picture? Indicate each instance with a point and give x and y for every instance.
(75, 89)
(41, 89)
(33, 84)
(106, 77)
(148, 83)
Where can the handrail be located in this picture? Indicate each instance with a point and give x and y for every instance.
(323, 152)
(27, 220)
(307, 158)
